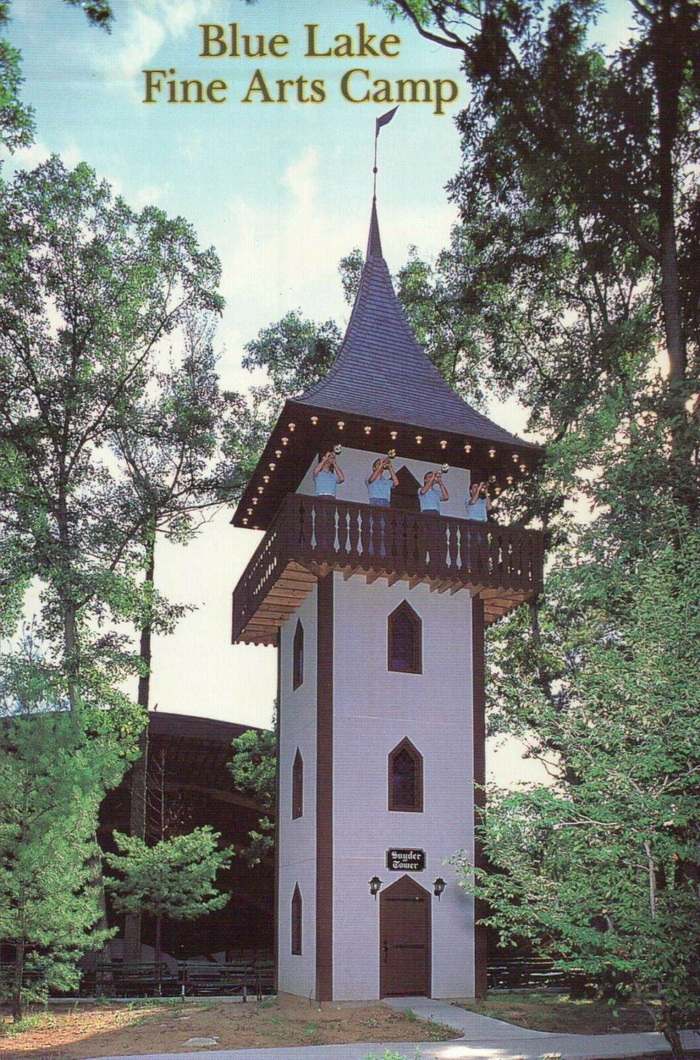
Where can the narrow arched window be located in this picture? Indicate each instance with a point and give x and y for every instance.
(406, 778)
(404, 640)
(298, 656)
(297, 786)
(296, 921)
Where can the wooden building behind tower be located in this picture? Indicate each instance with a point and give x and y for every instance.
(378, 616)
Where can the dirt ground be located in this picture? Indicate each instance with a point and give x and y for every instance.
(74, 1032)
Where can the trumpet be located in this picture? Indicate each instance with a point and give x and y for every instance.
(337, 449)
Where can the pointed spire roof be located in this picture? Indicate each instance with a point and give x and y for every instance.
(381, 382)
(382, 372)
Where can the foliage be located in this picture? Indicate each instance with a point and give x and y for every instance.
(90, 291)
(55, 766)
(601, 867)
(174, 877)
(16, 118)
(253, 768)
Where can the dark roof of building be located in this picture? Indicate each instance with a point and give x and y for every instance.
(382, 372)
(382, 392)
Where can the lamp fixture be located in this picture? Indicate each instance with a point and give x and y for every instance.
(467, 449)
(261, 489)
(515, 458)
(341, 424)
(278, 453)
(497, 491)
(314, 420)
(266, 478)
(245, 521)
(492, 453)
(272, 466)
(523, 467)
(438, 887)
(285, 441)
(249, 510)
(375, 885)
(443, 443)
(255, 500)
(419, 439)
(368, 430)
(393, 435)
(509, 480)
(291, 426)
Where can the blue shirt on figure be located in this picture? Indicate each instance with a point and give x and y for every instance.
(379, 487)
(327, 476)
(431, 498)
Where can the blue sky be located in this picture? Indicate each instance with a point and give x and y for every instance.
(283, 191)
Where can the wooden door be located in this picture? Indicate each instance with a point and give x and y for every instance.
(404, 940)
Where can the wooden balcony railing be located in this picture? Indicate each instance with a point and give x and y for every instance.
(310, 536)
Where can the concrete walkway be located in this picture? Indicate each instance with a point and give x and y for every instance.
(483, 1039)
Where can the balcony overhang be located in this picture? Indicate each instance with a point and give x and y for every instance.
(311, 536)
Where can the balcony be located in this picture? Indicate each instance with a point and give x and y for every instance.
(311, 536)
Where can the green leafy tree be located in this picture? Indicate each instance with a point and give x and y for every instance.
(174, 877)
(253, 768)
(90, 292)
(55, 766)
(603, 873)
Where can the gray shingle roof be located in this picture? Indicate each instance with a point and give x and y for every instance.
(382, 372)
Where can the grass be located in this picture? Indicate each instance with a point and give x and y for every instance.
(562, 1014)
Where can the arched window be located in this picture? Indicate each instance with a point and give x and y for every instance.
(296, 921)
(298, 656)
(404, 640)
(406, 778)
(297, 786)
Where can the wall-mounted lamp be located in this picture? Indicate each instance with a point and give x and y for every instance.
(314, 420)
(341, 424)
(368, 430)
(291, 426)
(245, 522)
(443, 443)
(285, 441)
(266, 478)
(249, 510)
(419, 439)
(272, 465)
(255, 500)
(438, 887)
(375, 885)
(467, 449)
(278, 453)
(515, 458)
(394, 435)
(492, 453)
(509, 480)
(260, 489)
(523, 467)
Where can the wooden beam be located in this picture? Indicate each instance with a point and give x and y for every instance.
(372, 576)
(393, 578)
(348, 573)
(414, 580)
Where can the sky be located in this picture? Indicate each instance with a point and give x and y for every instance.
(281, 189)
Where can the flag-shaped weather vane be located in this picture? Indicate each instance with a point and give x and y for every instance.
(380, 122)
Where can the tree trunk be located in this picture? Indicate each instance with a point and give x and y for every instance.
(158, 953)
(139, 772)
(17, 981)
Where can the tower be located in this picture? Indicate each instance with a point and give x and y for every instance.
(378, 615)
